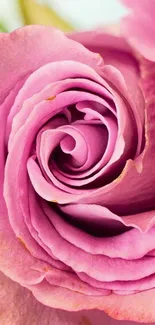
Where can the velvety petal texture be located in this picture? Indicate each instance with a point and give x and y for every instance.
(25, 309)
(77, 183)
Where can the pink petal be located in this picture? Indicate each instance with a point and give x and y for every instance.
(120, 246)
(116, 52)
(25, 44)
(138, 307)
(138, 27)
(18, 306)
(77, 258)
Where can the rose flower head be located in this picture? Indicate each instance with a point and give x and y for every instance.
(77, 200)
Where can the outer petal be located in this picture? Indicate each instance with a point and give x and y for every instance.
(31, 47)
(18, 306)
(139, 27)
(139, 307)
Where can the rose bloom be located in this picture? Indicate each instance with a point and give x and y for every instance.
(77, 130)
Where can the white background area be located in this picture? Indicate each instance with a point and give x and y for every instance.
(83, 14)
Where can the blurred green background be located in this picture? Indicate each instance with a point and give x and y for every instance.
(64, 14)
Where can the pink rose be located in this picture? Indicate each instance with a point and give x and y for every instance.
(77, 177)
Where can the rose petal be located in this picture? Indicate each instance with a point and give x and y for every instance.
(82, 261)
(138, 27)
(27, 43)
(126, 246)
(18, 306)
(45, 87)
(138, 307)
(116, 52)
(121, 287)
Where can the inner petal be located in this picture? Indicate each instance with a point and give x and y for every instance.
(67, 138)
(100, 145)
(96, 137)
(68, 144)
(70, 153)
